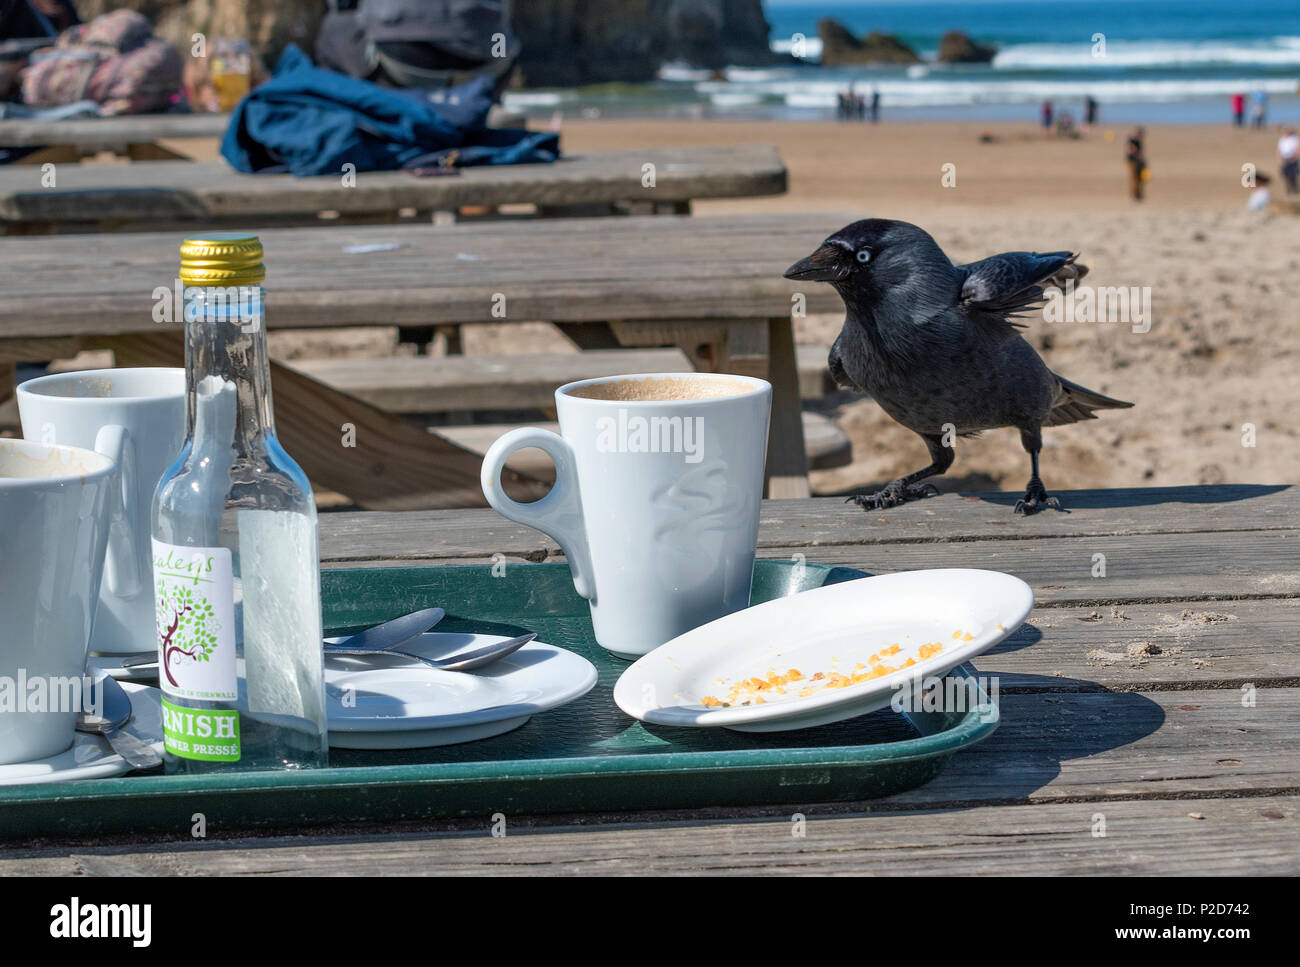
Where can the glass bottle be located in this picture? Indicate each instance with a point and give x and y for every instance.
(236, 571)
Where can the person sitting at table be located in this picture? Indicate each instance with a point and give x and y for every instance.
(417, 43)
(26, 25)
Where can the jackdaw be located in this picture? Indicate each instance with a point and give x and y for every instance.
(933, 344)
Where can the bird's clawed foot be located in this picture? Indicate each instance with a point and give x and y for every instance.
(892, 495)
(1035, 499)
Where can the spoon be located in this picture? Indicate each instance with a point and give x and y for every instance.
(381, 637)
(115, 706)
(390, 634)
(463, 662)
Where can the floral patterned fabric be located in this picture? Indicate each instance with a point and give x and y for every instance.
(114, 60)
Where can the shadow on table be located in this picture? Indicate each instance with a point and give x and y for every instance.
(1041, 727)
(1143, 497)
(1027, 634)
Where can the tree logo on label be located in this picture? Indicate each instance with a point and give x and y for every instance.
(187, 628)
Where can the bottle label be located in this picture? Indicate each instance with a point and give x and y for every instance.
(211, 735)
(194, 599)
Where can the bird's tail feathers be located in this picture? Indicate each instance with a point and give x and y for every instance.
(1075, 403)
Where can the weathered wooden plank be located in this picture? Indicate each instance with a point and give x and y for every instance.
(787, 474)
(104, 134)
(825, 445)
(432, 384)
(212, 189)
(378, 460)
(821, 524)
(1178, 568)
(1151, 567)
(1251, 836)
(1145, 647)
(1073, 746)
(108, 134)
(649, 267)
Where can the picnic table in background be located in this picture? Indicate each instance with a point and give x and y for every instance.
(139, 137)
(1149, 714)
(711, 286)
(200, 195)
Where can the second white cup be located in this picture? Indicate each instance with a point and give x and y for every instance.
(70, 409)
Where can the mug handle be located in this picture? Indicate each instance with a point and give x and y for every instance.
(121, 568)
(559, 513)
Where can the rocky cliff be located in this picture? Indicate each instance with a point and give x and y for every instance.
(840, 47)
(957, 48)
(565, 42)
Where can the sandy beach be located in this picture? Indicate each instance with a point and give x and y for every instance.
(1223, 346)
(1224, 340)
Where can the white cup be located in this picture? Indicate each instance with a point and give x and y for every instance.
(655, 502)
(149, 405)
(57, 505)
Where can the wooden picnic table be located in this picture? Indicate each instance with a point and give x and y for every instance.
(712, 286)
(162, 194)
(139, 136)
(1149, 717)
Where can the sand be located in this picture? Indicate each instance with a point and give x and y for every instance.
(1223, 349)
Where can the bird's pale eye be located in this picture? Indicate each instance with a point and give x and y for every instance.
(864, 255)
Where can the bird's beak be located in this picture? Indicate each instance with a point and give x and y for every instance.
(827, 264)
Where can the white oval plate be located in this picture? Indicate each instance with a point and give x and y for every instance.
(391, 702)
(833, 630)
(91, 757)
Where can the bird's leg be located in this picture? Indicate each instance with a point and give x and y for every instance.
(906, 488)
(1036, 496)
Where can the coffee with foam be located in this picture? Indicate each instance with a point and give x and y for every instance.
(664, 389)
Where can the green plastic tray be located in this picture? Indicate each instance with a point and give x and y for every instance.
(586, 756)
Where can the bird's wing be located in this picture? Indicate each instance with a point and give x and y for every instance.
(1074, 403)
(1011, 282)
(836, 367)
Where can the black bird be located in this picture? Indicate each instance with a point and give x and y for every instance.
(933, 344)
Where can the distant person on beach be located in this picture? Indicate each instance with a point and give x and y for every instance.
(1136, 159)
(1258, 108)
(875, 105)
(1047, 116)
(1261, 196)
(1238, 109)
(1288, 153)
(1090, 110)
(848, 105)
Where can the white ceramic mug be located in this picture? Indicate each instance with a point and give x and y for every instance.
(57, 505)
(149, 405)
(655, 502)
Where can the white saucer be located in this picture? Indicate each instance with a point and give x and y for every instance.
(400, 703)
(828, 631)
(112, 665)
(91, 757)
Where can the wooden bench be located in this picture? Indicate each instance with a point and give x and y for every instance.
(449, 384)
(825, 444)
(712, 287)
(139, 136)
(209, 194)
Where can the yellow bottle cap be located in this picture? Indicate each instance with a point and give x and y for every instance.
(222, 258)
